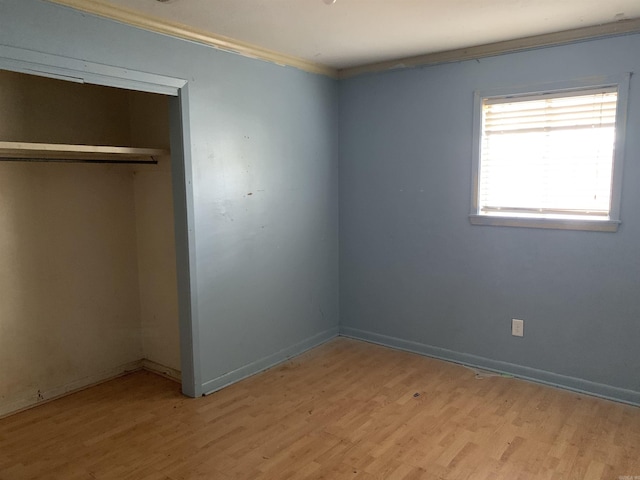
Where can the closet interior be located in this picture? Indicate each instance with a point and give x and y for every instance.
(87, 254)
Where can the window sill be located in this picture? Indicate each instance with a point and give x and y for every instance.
(549, 223)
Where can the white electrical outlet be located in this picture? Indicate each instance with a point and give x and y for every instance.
(517, 327)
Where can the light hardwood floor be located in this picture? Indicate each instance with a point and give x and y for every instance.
(345, 410)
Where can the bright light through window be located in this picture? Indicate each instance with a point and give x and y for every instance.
(547, 155)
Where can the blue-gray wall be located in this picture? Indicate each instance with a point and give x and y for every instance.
(264, 151)
(415, 274)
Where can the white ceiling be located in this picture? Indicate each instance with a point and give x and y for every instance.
(356, 32)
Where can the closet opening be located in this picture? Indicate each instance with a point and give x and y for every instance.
(91, 237)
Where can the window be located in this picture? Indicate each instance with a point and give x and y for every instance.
(551, 158)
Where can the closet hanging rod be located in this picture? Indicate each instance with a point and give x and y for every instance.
(153, 161)
(70, 153)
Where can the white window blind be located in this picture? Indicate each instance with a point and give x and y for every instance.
(548, 155)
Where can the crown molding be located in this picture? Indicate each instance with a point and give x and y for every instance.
(131, 17)
(622, 27)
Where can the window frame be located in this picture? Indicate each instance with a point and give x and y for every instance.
(621, 83)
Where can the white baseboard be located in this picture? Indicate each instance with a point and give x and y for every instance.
(580, 385)
(9, 406)
(167, 372)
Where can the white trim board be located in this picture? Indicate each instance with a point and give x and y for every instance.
(131, 17)
(162, 370)
(614, 29)
(525, 373)
(269, 361)
(185, 32)
(12, 406)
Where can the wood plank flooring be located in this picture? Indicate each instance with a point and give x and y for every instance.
(345, 410)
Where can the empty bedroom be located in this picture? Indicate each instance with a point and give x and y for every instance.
(320, 239)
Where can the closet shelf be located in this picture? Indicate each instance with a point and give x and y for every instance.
(53, 152)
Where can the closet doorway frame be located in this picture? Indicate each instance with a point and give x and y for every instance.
(177, 89)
